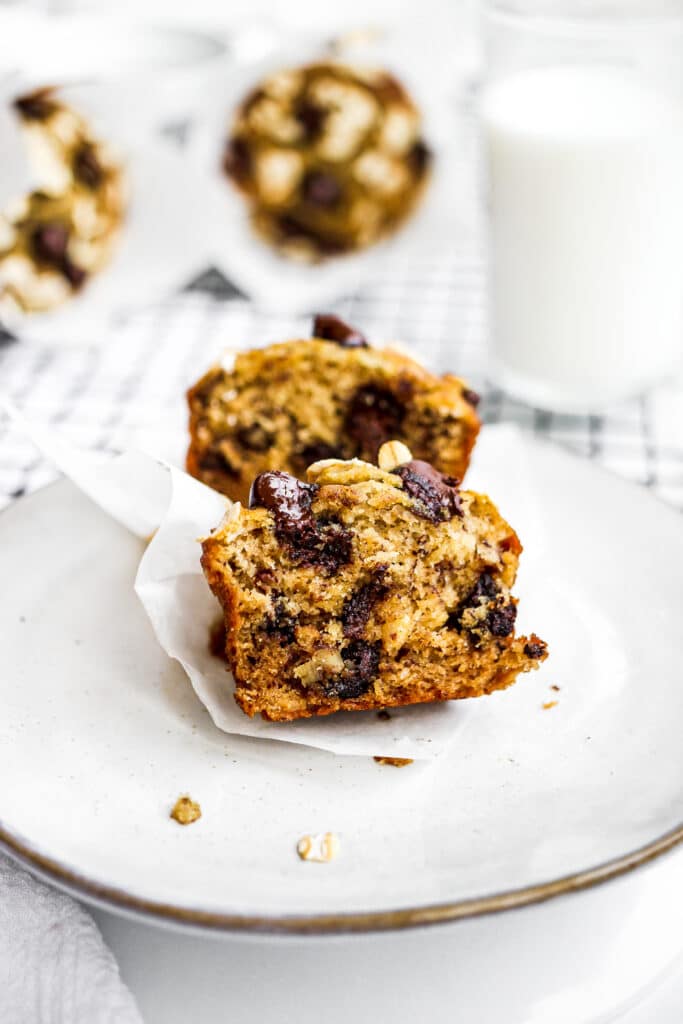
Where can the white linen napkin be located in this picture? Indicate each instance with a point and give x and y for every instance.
(54, 965)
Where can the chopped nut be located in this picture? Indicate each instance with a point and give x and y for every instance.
(380, 173)
(393, 454)
(325, 662)
(397, 762)
(400, 129)
(396, 630)
(186, 810)
(321, 848)
(351, 471)
(278, 172)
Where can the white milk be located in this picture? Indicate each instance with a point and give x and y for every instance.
(586, 234)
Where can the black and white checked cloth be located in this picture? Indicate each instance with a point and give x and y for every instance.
(130, 392)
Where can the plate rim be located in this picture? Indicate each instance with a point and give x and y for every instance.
(355, 922)
(336, 923)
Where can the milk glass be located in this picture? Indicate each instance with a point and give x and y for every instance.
(582, 125)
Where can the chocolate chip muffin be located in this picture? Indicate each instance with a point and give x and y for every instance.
(330, 158)
(330, 396)
(366, 587)
(53, 239)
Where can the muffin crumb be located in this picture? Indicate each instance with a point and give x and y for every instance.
(320, 848)
(185, 810)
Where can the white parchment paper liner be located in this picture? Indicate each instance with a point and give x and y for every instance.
(144, 493)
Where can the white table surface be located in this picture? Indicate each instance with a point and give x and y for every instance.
(411, 976)
(222, 981)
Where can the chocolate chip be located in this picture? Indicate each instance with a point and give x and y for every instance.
(311, 117)
(419, 158)
(264, 577)
(328, 545)
(321, 189)
(237, 160)
(471, 397)
(313, 542)
(331, 328)
(484, 592)
(359, 605)
(501, 621)
(50, 242)
(74, 274)
(254, 438)
(280, 623)
(319, 450)
(87, 167)
(214, 461)
(361, 665)
(536, 649)
(37, 106)
(436, 495)
(287, 498)
(374, 416)
(485, 586)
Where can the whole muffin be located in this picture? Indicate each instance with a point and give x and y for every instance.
(329, 157)
(58, 235)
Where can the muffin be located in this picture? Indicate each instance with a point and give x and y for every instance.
(56, 237)
(366, 587)
(329, 396)
(329, 158)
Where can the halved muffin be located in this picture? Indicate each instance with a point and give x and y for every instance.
(366, 587)
(330, 396)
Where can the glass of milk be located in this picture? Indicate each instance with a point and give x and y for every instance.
(582, 122)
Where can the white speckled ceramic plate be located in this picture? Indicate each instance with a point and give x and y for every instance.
(100, 732)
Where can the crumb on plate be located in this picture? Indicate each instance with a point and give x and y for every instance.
(185, 810)
(321, 847)
(397, 762)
